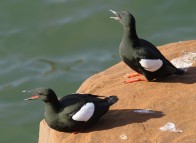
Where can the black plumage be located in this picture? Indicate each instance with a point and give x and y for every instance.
(141, 55)
(59, 113)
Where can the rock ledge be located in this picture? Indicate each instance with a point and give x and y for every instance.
(173, 101)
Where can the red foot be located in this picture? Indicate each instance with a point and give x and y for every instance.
(132, 75)
(134, 80)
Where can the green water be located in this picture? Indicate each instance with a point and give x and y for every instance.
(60, 43)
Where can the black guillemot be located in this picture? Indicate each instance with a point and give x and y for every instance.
(73, 112)
(141, 55)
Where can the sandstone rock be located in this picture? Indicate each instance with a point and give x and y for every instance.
(173, 100)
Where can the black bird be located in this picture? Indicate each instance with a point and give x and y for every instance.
(141, 55)
(73, 112)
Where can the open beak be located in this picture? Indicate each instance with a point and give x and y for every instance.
(31, 98)
(117, 16)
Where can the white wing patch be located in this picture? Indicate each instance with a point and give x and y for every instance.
(151, 64)
(85, 113)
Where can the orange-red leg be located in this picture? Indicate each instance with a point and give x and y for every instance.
(132, 75)
(135, 80)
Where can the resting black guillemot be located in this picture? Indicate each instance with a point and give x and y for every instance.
(73, 112)
(141, 55)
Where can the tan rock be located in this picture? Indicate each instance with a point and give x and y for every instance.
(173, 100)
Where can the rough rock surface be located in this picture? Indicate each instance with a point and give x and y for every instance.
(173, 100)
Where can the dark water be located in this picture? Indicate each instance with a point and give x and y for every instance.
(60, 43)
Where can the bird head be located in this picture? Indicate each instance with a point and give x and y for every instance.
(124, 17)
(43, 93)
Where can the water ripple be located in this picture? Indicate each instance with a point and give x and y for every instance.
(55, 1)
(10, 32)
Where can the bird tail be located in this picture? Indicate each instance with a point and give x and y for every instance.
(111, 99)
(179, 71)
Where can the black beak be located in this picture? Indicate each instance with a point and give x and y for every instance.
(32, 92)
(116, 13)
